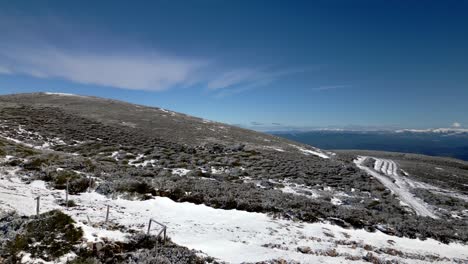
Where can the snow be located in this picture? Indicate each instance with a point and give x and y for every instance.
(147, 162)
(298, 189)
(17, 141)
(26, 258)
(390, 169)
(93, 234)
(387, 167)
(336, 201)
(61, 94)
(213, 231)
(315, 152)
(129, 124)
(386, 172)
(139, 161)
(276, 148)
(167, 111)
(295, 191)
(180, 171)
(115, 155)
(434, 130)
(219, 170)
(46, 143)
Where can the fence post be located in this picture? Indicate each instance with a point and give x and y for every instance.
(107, 214)
(66, 194)
(164, 241)
(38, 204)
(149, 227)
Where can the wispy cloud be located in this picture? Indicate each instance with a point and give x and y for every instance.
(330, 87)
(53, 48)
(152, 72)
(137, 70)
(248, 77)
(4, 70)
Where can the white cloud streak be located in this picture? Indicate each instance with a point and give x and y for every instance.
(330, 87)
(245, 79)
(151, 73)
(87, 59)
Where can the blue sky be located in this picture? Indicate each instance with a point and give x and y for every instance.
(260, 64)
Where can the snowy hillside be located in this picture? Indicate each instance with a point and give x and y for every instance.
(249, 237)
(225, 194)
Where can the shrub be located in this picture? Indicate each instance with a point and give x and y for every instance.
(55, 232)
(76, 182)
(79, 185)
(34, 164)
(84, 260)
(134, 186)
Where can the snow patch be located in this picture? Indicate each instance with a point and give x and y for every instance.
(276, 148)
(61, 94)
(336, 201)
(250, 237)
(180, 171)
(315, 152)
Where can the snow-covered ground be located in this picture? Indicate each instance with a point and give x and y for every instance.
(229, 235)
(386, 171)
(180, 171)
(316, 152)
(28, 137)
(61, 94)
(275, 148)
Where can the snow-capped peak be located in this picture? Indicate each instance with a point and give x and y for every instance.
(434, 130)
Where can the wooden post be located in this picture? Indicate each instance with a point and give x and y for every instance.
(66, 194)
(164, 241)
(38, 204)
(107, 214)
(149, 227)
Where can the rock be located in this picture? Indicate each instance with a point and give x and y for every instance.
(304, 249)
(98, 246)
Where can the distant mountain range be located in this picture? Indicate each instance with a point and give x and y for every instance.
(446, 142)
(435, 130)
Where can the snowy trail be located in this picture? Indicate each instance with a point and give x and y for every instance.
(386, 171)
(401, 181)
(229, 235)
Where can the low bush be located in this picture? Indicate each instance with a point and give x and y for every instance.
(48, 236)
(76, 182)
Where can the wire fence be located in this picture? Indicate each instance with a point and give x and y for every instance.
(161, 231)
